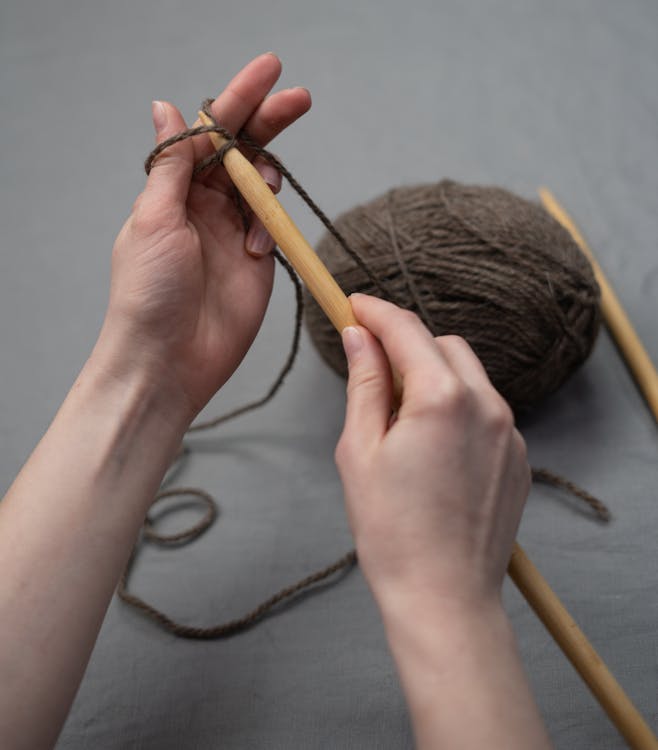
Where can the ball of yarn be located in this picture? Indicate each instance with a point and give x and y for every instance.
(479, 262)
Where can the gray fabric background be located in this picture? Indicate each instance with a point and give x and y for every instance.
(516, 93)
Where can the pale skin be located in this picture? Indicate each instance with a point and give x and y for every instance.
(434, 498)
(189, 290)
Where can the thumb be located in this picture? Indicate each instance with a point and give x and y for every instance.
(171, 171)
(368, 388)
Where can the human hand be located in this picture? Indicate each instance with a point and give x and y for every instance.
(186, 299)
(434, 496)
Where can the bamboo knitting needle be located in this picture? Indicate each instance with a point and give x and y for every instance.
(617, 321)
(528, 579)
(320, 283)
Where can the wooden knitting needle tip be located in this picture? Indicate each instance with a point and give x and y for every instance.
(618, 323)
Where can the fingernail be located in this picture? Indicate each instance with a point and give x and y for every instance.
(271, 176)
(352, 342)
(306, 91)
(159, 114)
(258, 240)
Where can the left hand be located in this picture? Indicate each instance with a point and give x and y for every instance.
(187, 297)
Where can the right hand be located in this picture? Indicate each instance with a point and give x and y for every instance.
(435, 495)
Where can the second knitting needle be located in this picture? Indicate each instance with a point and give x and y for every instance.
(615, 317)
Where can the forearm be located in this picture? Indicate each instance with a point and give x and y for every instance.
(67, 526)
(462, 677)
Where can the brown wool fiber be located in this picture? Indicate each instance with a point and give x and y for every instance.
(479, 262)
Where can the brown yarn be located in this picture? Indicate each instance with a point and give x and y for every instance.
(288, 593)
(230, 627)
(479, 262)
(545, 476)
(490, 252)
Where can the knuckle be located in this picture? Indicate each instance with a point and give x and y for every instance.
(500, 418)
(454, 341)
(343, 451)
(236, 92)
(443, 396)
(454, 394)
(272, 121)
(409, 318)
(173, 158)
(360, 380)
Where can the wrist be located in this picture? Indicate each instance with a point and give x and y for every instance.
(129, 421)
(419, 617)
(120, 427)
(462, 676)
(127, 368)
(446, 585)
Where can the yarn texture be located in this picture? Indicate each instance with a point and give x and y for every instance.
(479, 262)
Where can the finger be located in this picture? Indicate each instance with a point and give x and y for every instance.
(240, 99)
(258, 241)
(428, 381)
(276, 113)
(468, 367)
(271, 117)
(168, 182)
(368, 389)
(406, 341)
(463, 360)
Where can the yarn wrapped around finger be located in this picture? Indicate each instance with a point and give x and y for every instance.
(479, 262)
